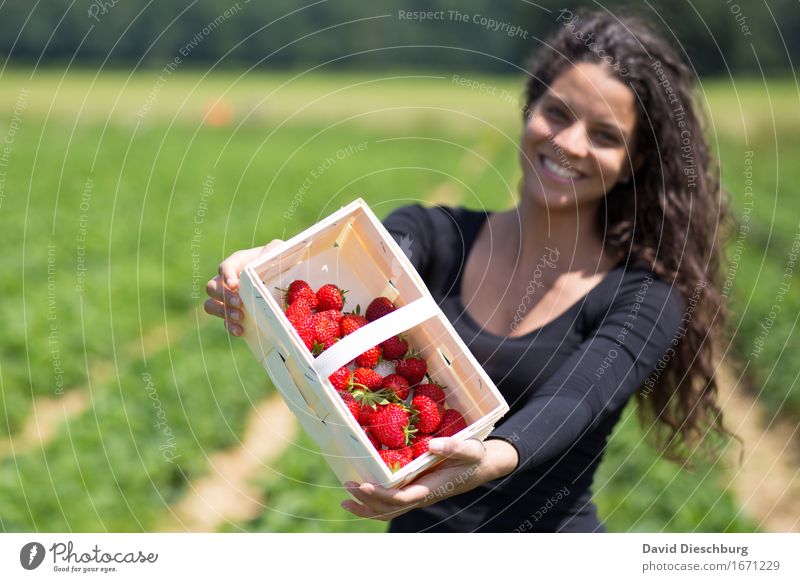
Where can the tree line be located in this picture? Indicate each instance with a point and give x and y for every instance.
(719, 37)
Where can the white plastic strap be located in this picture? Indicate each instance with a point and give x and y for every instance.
(351, 346)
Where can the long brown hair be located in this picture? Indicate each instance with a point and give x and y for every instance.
(671, 216)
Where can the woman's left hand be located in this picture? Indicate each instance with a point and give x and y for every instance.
(469, 463)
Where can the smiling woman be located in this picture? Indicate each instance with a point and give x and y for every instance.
(619, 200)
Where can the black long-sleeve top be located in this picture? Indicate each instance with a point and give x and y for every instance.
(566, 383)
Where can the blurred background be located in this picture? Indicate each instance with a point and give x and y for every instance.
(143, 142)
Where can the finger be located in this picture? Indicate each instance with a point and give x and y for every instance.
(219, 309)
(230, 268)
(365, 511)
(410, 495)
(234, 328)
(214, 307)
(216, 289)
(470, 450)
(365, 494)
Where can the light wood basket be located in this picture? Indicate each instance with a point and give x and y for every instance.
(352, 249)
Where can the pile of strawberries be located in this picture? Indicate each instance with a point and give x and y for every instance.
(400, 411)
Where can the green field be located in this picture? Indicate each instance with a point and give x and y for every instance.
(119, 202)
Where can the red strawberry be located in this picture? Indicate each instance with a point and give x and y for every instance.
(431, 390)
(375, 442)
(351, 322)
(326, 331)
(370, 358)
(412, 369)
(367, 378)
(394, 348)
(391, 425)
(378, 307)
(429, 413)
(366, 415)
(334, 314)
(299, 289)
(296, 310)
(303, 323)
(341, 378)
(396, 458)
(330, 297)
(351, 403)
(397, 384)
(452, 422)
(419, 444)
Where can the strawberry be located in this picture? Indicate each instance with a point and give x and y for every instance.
(350, 402)
(370, 402)
(334, 314)
(300, 318)
(396, 458)
(351, 322)
(432, 390)
(341, 378)
(397, 384)
(330, 297)
(419, 444)
(452, 422)
(326, 331)
(297, 310)
(366, 415)
(378, 307)
(370, 358)
(412, 368)
(367, 379)
(375, 442)
(394, 348)
(391, 425)
(299, 289)
(428, 413)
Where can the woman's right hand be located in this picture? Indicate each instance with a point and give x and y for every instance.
(223, 289)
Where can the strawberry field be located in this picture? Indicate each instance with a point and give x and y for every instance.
(119, 393)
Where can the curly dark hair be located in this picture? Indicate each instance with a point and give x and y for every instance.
(672, 215)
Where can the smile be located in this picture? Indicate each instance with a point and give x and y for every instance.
(557, 172)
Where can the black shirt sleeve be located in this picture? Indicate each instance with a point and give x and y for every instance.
(600, 376)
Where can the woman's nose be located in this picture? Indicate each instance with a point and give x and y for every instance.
(572, 140)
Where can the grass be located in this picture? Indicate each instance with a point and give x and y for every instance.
(83, 165)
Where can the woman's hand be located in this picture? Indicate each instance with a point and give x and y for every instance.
(223, 289)
(469, 463)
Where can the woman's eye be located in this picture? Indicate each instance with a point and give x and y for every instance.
(607, 137)
(555, 113)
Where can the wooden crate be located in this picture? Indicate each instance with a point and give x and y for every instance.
(352, 249)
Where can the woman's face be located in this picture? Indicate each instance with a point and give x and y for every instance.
(576, 143)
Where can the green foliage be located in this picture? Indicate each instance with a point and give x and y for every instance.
(636, 491)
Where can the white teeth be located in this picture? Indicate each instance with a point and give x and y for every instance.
(559, 170)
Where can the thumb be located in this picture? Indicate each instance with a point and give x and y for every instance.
(231, 267)
(470, 450)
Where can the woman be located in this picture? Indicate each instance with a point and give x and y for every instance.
(601, 283)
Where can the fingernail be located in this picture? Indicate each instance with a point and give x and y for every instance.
(235, 315)
(231, 282)
(235, 301)
(435, 447)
